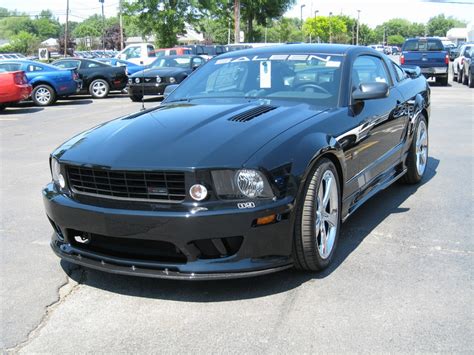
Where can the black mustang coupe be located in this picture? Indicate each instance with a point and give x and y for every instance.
(98, 78)
(164, 71)
(248, 167)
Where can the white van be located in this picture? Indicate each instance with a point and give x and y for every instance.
(140, 53)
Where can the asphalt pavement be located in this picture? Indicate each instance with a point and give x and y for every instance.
(401, 281)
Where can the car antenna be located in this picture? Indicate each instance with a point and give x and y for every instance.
(143, 90)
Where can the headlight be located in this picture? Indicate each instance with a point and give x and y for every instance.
(130, 80)
(245, 183)
(137, 80)
(172, 80)
(58, 178)
(158, 79)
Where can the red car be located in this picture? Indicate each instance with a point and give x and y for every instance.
(14, 87)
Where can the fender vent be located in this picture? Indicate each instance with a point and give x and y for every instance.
(252, 113)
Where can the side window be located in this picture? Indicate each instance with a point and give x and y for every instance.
(151, 51)
(172, 52)
(367, 68)
(32, 67)
(68, 64)
(132, 52)
(6, 67)
(400, 74)
(91, 65)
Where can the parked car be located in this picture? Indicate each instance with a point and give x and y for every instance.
(14, 87)
(214, 50)
(130, 68)
(172, 51)
(395, 50)
(387, 50)
(161, 73)
(377, 47)
(468, 68)
(141, 53)
(98, 78)
(458, 62)
(49, 82)
(247, 167)
(429, 54)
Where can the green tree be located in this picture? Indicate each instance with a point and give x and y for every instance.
(440, 25)
(46, 26)
(395, 40)
(325, 28)
(25, 43)
(90, 27)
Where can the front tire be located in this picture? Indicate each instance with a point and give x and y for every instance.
(318, 219)
(99, 89)
(43, 95)
(460, 76)
(136, 98)
(417, 159)
(465, 79)
(443, 81)
(471, 80)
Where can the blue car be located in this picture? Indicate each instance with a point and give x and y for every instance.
(48, 82)
(131, 68)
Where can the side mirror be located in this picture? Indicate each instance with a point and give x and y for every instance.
(169, 89)
(372, 90)
(413, 72)
(195, 66)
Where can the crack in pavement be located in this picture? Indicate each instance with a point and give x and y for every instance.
(64, 291)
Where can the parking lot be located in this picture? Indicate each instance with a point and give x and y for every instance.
(401, 281)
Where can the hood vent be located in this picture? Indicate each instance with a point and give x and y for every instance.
(252, 113)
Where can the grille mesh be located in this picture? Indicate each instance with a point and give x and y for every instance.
(133, 185)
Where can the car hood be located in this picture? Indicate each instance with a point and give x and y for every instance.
(163, 72)
(182, 136)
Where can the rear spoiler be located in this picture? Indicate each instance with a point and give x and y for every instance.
(412, 71)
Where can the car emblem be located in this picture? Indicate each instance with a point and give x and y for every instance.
(158, 190)
(147, 79)
(84, 238)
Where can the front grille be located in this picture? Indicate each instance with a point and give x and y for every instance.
(127, 248)
(162, 186)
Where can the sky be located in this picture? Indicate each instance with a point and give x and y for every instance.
(372, 12)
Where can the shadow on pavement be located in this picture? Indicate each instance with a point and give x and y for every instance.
(15, 110)
(353, 233)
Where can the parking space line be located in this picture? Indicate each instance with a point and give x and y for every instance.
(8, 119)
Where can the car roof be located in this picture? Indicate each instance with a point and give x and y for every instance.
(27, 61)
(336, 49)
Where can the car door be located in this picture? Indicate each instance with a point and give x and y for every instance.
(382, 121)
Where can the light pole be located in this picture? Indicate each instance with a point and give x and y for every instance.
(66, 29)
(103, 25)
(301, 19)
(316, 15)
(358, 24)
(121, 25)
(330, 27)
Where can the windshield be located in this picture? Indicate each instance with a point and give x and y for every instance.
(414, 45)
(313, 78)
(178, 62)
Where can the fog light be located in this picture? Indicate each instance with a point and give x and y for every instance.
(61, 181)
(158, 79)
(198, 192)
(137, 80)
(172, 80)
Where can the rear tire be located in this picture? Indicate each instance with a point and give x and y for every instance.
(136, 98)
(471, 80)
(442, 80)
(318, 219)
(99, 89)
(2, 107)
(460, 75)
(43, 95)
(465, 79)
(417, 159)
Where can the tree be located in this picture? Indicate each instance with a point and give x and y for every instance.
(395, 40)
(325, 28)
(71, 45)
(24, 42)
(440, 25)
(260, 12)
(112, 37)
(90, 27)
(165, 19)
(46, 26)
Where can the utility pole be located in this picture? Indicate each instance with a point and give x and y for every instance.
(358, 24)
(121, 25)
(103, 25)
(236, 21)
(330, 27)
(66, 29)
(301, 19)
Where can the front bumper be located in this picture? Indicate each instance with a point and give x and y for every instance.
(263, 249)
(147, 89)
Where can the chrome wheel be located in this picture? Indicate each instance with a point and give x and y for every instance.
(421, 148)
(99, 89)
(43, 96)
(327, 214)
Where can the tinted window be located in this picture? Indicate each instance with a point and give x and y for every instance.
(68, 64)
(368, 69)
(151, 51)
(90, 65)
(32, 67)
(5, 67)
(422, 44)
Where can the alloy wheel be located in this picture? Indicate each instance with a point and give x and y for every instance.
(421, 148)
(327, 214)
(43, 96)
(99, 89)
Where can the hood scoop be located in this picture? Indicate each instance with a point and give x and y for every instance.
(252, 113)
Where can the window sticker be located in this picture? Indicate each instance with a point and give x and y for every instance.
(333, 64)
(265, 74)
